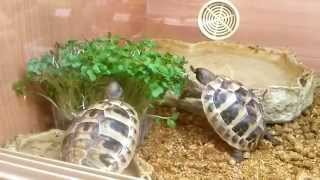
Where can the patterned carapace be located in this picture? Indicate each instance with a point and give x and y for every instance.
(104, 136)
(234, 112)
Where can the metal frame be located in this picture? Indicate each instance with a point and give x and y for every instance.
(20, 166)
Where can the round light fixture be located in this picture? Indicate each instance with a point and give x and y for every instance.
(218, 19)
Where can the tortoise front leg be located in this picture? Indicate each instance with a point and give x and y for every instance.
(237, 155)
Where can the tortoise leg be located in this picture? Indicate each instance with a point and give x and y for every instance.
(237, 155)
(270, 138)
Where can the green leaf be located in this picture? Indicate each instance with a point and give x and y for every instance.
(72, 57)
(171, 123)
(157, 91)
(96, 69)
(84, 70)
(153, 67)
(112, 59)
(120, 67)
(91, 75)
(33, 66)
(163, 70)
(76, 64)
(177, 88)
(19, 87)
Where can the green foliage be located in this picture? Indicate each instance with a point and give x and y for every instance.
(170, 122)
(77, 72)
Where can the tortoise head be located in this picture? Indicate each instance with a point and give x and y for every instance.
(204, 76)
(114, 90)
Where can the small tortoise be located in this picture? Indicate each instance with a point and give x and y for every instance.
(233, 111)
(105, 135)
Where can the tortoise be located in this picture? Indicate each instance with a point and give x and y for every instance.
(105, 135)
(233, 111)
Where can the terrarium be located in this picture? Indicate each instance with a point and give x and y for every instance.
(160, 90)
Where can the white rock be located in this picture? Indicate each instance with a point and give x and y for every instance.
(283, 84)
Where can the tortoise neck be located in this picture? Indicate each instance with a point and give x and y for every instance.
(210, 78)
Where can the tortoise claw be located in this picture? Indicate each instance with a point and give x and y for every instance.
(269, 137)
(237, 155)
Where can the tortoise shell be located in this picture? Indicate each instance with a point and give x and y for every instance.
(234, 112)
(104, 136)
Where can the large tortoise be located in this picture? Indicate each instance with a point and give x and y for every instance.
(105, 135)
(233, 111)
